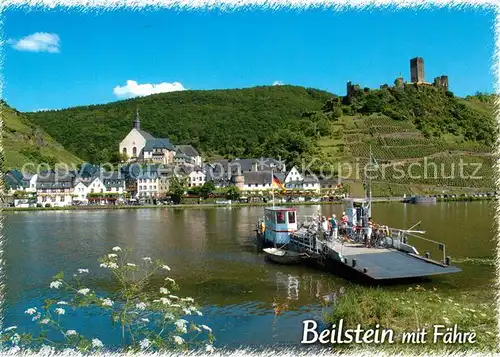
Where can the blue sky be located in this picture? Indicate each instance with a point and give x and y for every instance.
(78, 58)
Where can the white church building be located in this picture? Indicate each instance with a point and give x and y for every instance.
(139, 145)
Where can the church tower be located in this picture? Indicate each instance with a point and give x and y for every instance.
(137, 120)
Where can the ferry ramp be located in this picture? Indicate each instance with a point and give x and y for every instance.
(388, 263)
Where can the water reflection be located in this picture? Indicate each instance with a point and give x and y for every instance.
(213, 258)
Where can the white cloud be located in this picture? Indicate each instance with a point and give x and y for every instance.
(133, 89)
(37, 42)
(278, 83)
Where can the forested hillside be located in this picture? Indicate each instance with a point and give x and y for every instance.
(24, 142)
(225, 122)
(399, 125)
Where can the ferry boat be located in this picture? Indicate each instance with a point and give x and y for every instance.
(360, 248)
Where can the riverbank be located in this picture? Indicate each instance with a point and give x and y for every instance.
(215, 205)
(414, 309)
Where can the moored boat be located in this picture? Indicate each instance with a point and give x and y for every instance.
(282, 256)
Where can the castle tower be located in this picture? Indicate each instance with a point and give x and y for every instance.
(137, 120)
(417, 70)
(239, 181)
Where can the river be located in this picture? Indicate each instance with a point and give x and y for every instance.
(214, 260)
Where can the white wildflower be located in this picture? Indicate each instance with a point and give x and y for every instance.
(110, 265)
(188, 299)
(166, 267)
(209, 348)
(84, 291)
(144, 320)
(173, 297)
(116, 249)
(31, 311)
(60, 311)
(446, 320)
(36, 317)
(45, 321)
(131, 264)
(112, 255)
(107, 302)
(169, 316)
(186, 311)
(170, 279)
(145, 343)
(71, 333)
(165, 301)
(10, 328)
(179, 340)
(96, 343)
(205, 327)
(199, 313)
(81, 271)
(196, 328)
(141, 306)
(15, 338)
(180, 322)
(175, 305)
(164, 291)
(56, 284)
(147, 259)
(62, 303)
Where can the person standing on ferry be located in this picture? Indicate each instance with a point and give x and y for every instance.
(334, 227)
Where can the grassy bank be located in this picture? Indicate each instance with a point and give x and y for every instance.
(417, 308)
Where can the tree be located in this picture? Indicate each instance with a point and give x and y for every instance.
(177, 189)
(233, 193)
(207, 189)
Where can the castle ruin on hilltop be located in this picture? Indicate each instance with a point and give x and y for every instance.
(417, 76)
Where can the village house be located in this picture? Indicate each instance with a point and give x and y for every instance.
(195, 176)
(54, 189)
(294, 180)
(152, 184)
(188, 154)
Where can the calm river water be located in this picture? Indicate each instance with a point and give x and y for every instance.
(214, 260)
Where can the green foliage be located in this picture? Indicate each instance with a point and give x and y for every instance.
(207, 189)
(231, 123)
(413, 309)
(176, 189)
(148, 317)
(233, 193)
(24, 142)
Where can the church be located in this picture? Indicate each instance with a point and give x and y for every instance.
(139, 145)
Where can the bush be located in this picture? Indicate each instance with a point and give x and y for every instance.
(149, 320)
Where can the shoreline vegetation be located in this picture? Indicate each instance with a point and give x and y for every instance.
(238, 204)
(413, 309)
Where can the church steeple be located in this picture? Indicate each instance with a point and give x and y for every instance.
(137, 120)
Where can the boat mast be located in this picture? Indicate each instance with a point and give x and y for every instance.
(272, 185)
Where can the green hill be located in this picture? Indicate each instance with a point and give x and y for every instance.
(220, 122)
(23, 142)
(400, 125)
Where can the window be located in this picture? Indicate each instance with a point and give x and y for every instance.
(280, 217)
(62, 198)
(291, 217)
(134, 151)
(125, 151)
